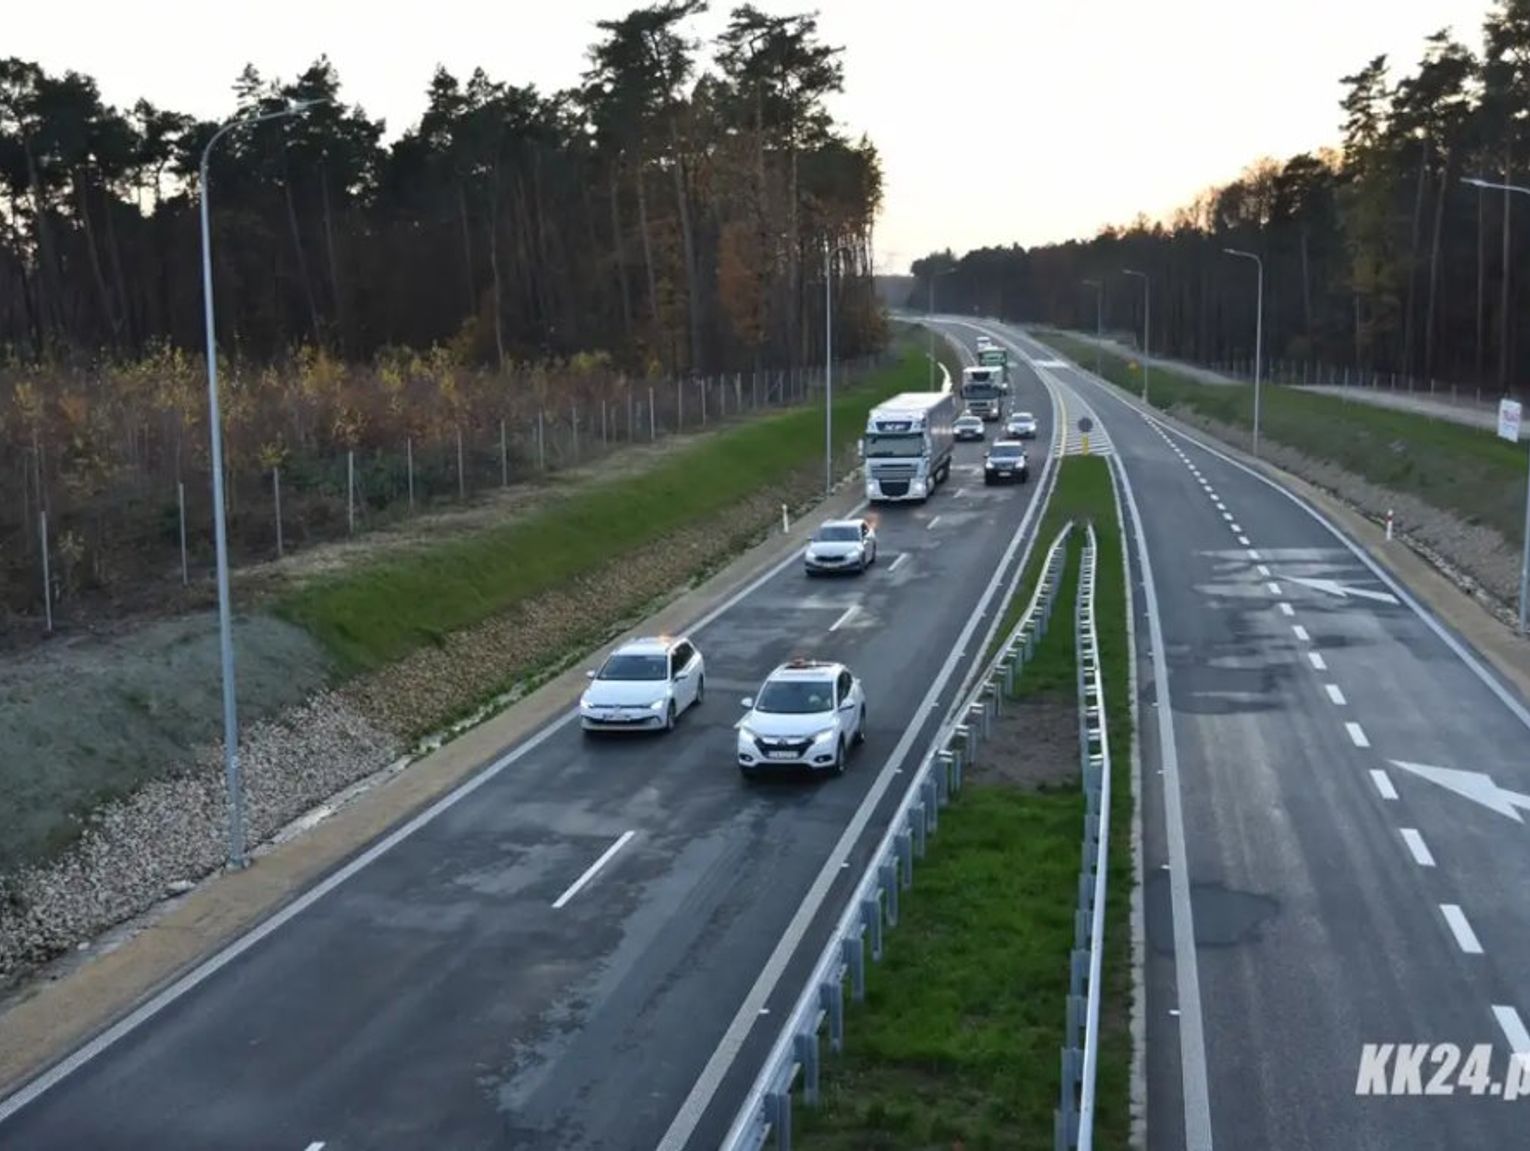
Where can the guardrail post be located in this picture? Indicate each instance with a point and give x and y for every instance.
(855, 962)
(1075, 1021)
(871, 919)
(917, 826)
(831, 997)
(1081, 925)
(931, 806)
(807, 1055)
(979, 711)
(888, 873)
(905, 842)
(778, 1105)
(991, 692)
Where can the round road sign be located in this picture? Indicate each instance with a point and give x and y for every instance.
(1085, 424)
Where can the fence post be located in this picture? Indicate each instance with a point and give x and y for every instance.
(754, 387)
(631, 434)
(461, 475)
(47, 577)
(504, 456)
(702, 385)
(679, 405)
(604, 408)
(541, 441)
(409, 455)
(350, 491)
(652, 419)
(738, 392)
(573, 419)
(276, 490)
(180, 499)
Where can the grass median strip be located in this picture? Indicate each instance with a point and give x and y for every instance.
(381, 611)
(957, 1042)
(1466, 471)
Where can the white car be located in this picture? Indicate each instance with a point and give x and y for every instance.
(1021, 426)
(841, 545)
(808, 714)
(644, 685)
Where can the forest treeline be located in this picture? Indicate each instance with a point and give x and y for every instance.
(1378, 256)
(672, 215)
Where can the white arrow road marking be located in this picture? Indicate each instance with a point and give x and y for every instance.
(1343, 591)
(1473, 785)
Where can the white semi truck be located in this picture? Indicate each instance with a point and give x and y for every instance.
(983, 391)
(908, 445)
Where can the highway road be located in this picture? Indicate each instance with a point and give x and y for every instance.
(1307, 894)
(462, 989)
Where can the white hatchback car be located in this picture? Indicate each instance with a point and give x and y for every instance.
(808, 714)
(841, 545)
(644, 685)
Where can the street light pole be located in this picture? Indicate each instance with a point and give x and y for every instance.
(829, 252)
(1147, 304)
(1099, 322)
(236, 858)
(1258, 334)
(1524, 562)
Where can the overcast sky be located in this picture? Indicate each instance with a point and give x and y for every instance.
(998, 121)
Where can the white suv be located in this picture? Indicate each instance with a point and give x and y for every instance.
(644, 685)
(808, 714)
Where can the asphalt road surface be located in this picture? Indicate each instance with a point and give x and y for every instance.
(456, 993)
(1327, 897)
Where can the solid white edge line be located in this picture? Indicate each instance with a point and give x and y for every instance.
(593, 870)
(717, 1066)
(846, 617)
(1334, 694)
(1466, 938)
(1357, 734)
(1513, 1028)
(1287, 609)
(1417, 847)
(1301, 633)
(222, 958)
(897, 563)
(1316, 660)
(1383, 783)
(1192, 1035)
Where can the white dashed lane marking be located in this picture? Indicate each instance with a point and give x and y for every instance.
(1287, 609)
(1417, 847)
(1315, 659)
(1466, 938)
(1334, 694)
(1383, 783)
(1301, 633)
(1357, 734)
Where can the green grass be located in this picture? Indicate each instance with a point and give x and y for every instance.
(957, 1043)
(377, 613)
(1465, 471)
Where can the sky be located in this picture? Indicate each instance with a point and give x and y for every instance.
(998, 121)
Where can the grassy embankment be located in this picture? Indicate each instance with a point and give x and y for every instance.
(957, 1043)
(377, 613)
(1465, 471)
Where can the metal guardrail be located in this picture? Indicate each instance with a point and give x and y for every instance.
(873, 905)
(1074, 1117)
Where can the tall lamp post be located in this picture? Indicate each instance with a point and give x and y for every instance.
(930, 328)
(1147, 304)
(829, 252)
(236, 858)
(1524, 563)
(1099, 320)
(1258, 334)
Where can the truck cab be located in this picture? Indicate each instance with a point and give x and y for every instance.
(983, 391)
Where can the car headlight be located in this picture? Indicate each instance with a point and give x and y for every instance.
(988, 465)
(820, 736)
(659, 704)
(746, 732)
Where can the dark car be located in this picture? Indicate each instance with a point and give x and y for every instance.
(969, 427)
(1006, 461)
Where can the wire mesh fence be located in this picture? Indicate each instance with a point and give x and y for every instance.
(104, 512)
